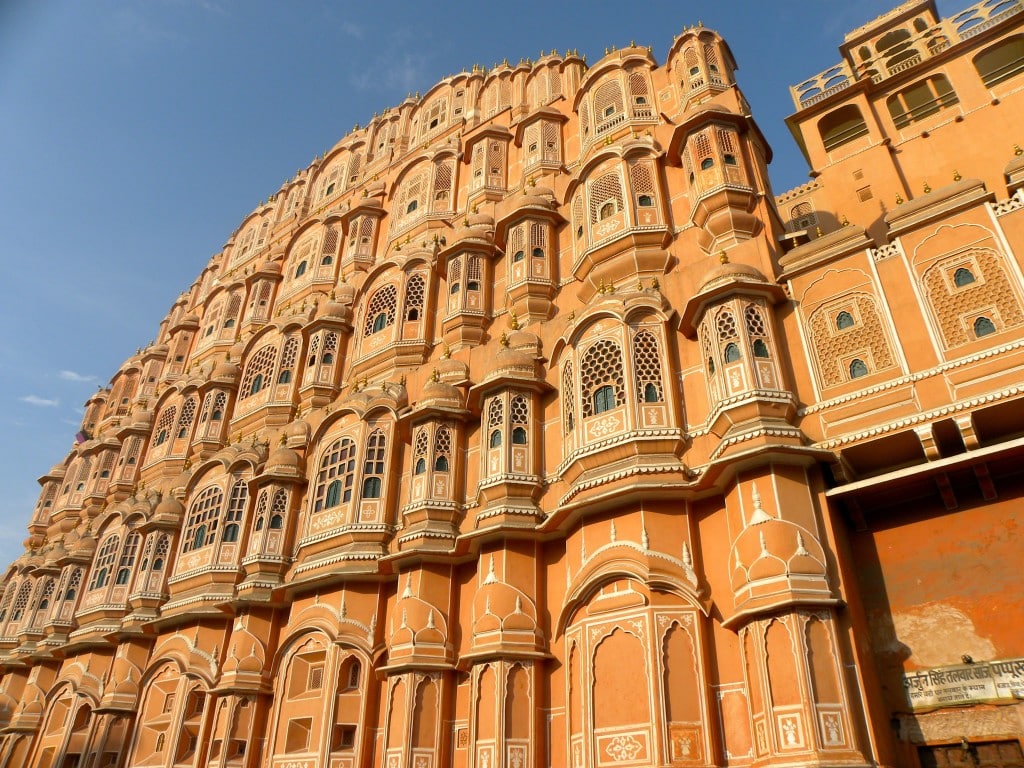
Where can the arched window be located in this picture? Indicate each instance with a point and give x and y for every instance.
(188, 412)
(518, 256)
(127, 560)
(441, 464)
(203, 518)
(707, 163)
(421, 466)
(842, 126)
(962, 277)
(412, 206)
(983, 327)
(538, 253)
(301, 269)
(278, 510)
(601, 369)
(259, 369)
(495, 439)
(732, 353)
(415, 291)
(373, 465)
(760, 348)
(105, 558)
(518, 436)
(645, 201)
(335, 476)
(858, 368)
(844, 320)
(1001, 62)
(647, 367)
(603, 399)
(380, 311)
(236, 510)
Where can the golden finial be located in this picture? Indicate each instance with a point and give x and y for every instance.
(927, 187)
(723, 257)
(818, 231)
(533, 181)
(476, 207)
(610, 288)
(1017, 150)
(956, 175)
(447, 352)
(513, 322)
(608, 140)
(606, 51)
(282, 439)
(639, 284)
(845, 222)
(899, 199)
(401, 380)
(384, 387)
(655, 284)
(435, 376)
(632, 43)
(504, 339)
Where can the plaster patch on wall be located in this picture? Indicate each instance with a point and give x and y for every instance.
(939, 634)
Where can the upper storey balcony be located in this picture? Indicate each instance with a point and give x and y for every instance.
(898, 41)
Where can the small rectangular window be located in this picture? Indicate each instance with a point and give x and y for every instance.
(864, 194)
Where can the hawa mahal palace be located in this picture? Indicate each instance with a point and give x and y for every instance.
(527, 427)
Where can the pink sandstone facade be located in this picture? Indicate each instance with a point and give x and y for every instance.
(527, 428)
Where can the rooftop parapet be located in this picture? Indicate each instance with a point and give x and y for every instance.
(901, 48)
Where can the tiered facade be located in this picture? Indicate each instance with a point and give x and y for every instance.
(527, 428)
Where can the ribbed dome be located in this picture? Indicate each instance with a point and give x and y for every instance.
(730, 272)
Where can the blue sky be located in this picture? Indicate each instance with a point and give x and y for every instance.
(136, 134)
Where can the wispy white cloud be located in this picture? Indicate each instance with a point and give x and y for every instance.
(73, 376)
(41, 402)
(352, 29)
(401, 73)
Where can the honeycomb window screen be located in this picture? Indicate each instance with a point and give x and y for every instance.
(220, 402)
(289, 354)
(336, 475)
(106, 556)
(353, 170)
(642, 181)
(538, 240)
(43, 603)
(203, 519)
(188, 413)
(701, 147)
(454, 274)
(260, 515)
(234, 306)
(380, 310)
(756, 327)
(725, 323)
(164, 425)
(495, 414)
(415, 291)
(584, 119)
(261, 307)
(802, 216)
(601, 366)
(279, 510)
(496, 164)
(442, 449)
(107, 463)
(577, 217)
(160, 552)
(726, 140)
(647, 368)
(130, 458)
(419, 453)
(990, 291)
(258, 371)
(20, 604)
(604, 189)
(365, 230)
(832, 345)
(74, 583)
(330, 349)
